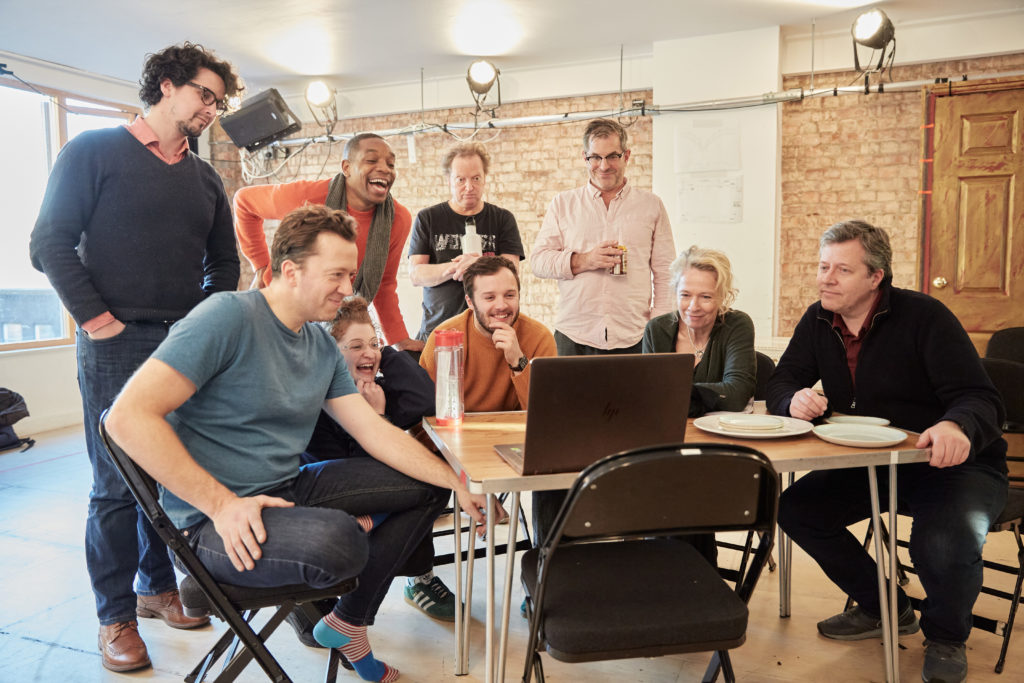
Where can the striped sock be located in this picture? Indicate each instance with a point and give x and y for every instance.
(356, 648)
(369, 522)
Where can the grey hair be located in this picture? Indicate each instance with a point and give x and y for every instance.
(877, 250)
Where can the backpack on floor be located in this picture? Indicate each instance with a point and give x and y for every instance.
(12, 409)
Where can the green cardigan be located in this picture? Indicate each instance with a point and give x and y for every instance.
(724, 379)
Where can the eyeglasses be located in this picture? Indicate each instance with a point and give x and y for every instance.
(358, 345)
(596, 159)
(209, 97)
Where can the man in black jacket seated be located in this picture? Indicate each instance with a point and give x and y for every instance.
(893, 353)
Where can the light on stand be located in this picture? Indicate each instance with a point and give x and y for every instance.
(322, 102)
(875, 30)
(481, 76)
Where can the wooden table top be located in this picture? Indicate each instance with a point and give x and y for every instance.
(469, 449)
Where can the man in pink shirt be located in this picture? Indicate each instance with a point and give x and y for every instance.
(610, 246)
(133, 232)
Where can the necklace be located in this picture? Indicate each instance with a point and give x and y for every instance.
(699, 353)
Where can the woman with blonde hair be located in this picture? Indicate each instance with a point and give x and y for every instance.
(721, 339)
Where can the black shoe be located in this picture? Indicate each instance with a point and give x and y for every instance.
(944, 662)
(857, 624)
(303, 627)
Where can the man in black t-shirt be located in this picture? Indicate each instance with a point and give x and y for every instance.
(438, 255)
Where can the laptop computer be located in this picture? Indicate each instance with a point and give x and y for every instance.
(583, 408)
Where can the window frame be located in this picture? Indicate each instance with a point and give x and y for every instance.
(59, 108)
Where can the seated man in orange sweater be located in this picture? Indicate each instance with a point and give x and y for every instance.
(499, 342)
(363, 189)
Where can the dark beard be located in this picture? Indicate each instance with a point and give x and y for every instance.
(482, 323)
(190, 132)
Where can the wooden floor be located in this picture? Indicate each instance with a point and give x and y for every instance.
(48, 625)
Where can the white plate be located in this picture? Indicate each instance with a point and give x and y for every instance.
(859, 435)
(857, 420)
(790, 427)
(749, 422)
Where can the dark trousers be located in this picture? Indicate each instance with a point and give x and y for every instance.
(952, 509)
(567, 347)
(318, 542)
(120, 544)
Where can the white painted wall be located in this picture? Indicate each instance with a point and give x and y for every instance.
(715, 68)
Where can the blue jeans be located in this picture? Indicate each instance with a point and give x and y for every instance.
(319, 543)
(119, 541)
(952, 510)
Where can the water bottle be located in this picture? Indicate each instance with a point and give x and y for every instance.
(448, 353)
(472, 242)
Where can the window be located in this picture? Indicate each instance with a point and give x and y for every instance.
(36, 125)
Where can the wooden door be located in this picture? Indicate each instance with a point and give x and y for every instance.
(974, 221)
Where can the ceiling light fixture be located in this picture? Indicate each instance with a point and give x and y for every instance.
(875, 30)
(322, 102)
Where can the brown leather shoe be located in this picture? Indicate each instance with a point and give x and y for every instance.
(167, 606)
(122, 647)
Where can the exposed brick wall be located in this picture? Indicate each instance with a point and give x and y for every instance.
(855, 156)
(529, 165)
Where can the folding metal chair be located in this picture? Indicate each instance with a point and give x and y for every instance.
(235, 605)
(615, 580)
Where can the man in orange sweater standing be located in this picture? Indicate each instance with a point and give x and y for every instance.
(363, 189)
(498, 342)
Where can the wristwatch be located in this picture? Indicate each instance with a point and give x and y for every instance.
(520, 366)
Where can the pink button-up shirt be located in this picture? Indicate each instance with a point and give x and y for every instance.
(595, 307)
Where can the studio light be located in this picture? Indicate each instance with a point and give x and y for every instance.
(873, 29)
(481, 76)
(322, 102)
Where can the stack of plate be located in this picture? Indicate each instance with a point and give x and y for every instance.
(752, 423)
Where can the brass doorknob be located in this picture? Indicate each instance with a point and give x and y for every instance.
(939, 282)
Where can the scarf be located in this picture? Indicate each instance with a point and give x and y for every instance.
(371, 270)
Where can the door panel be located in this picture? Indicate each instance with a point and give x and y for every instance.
(974, 222)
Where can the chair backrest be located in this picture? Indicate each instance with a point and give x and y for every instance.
(674, 490)
(144, 489)
(1008, 376)
(765, 368)
(1007, 344)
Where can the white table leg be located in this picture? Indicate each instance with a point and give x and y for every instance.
(468, 612)
(894, 608)
(489, 660)
(461, 632)
(506, 600)
(785, 546)
(888, 643)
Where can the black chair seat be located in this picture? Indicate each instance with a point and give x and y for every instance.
(243, 598)
(682, 600)
(1014, 508)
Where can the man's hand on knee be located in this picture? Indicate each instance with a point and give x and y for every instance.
(239, 522)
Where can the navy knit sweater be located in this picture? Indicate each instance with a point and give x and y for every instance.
(917, 366)
(121, 230)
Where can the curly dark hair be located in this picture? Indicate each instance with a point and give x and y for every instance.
(180, 63)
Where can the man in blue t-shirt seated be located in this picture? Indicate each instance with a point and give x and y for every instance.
(222, 410)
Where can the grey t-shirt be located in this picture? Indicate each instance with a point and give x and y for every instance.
(259, 390)
(437, 232)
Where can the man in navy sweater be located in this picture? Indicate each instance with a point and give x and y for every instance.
(133, 232)
(893, 353)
